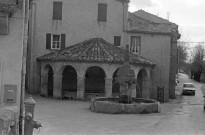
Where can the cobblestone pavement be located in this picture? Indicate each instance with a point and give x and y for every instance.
(67, 117)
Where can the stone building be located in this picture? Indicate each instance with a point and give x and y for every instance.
(11, 51)
(156, 39)
(73, 42)
(70, 22)
(89, 69)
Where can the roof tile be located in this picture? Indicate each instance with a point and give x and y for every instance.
(94, 50)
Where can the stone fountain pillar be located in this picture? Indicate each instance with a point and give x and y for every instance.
(126, 79)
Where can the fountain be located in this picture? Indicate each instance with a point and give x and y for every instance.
(125, 103)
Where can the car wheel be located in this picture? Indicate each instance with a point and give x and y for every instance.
(193, 94)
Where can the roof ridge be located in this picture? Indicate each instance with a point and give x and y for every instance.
(152, 15)
(143, 18)
(102, 46)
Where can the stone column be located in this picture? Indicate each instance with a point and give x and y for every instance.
(145, 91)
(81, 88)
(57, 86)
(147, 81)
(108, 87)
(133, 95)
(44, 84)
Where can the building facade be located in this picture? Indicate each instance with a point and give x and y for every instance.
(11, 51)
(71, 22)
(57, 26)
(156, 39)
(11, 58)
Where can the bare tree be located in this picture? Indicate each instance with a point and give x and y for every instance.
(182, 52)
(182, 55)
(199, 53)
(197, 64)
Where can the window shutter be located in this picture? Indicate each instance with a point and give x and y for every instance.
(138, 44)
(48, 41)
(57, 10)
(117, 40)
(102, 12)
(63, 37)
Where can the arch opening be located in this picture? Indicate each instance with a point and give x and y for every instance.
(141, 84)
(69, 83)
(94, 82)
(49, 71)
(115, 85)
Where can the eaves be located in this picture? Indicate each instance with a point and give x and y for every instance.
(149, 32)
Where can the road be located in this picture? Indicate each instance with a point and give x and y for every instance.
(188, 117)
(181, 116)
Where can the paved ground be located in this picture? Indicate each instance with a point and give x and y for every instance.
(181, 116)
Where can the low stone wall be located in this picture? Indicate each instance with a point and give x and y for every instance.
(106, 105)
(9, 120)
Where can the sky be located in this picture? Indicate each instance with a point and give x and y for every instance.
(187, 14)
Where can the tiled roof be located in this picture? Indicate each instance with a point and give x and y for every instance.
(153, 18)
(94, 50)
(124, 1)
(138, 24)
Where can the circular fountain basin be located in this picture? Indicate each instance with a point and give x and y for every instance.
(111, 105)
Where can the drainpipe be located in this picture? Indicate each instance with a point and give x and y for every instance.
(204, 102)
(123, 4)
(34, 6)
(124, 24)
(23, 71)
(32, 22)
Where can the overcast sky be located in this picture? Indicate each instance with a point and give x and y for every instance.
(188, 14)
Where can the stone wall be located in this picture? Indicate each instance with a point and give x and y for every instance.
(11, 47)
(11, 50)
(156, 47)
(9, 120)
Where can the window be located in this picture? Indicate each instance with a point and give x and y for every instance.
(57, 10)
(55, 41)
(117, 40)
(189, 85)
(135, 44)
(102, 12)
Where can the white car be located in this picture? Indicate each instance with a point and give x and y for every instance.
(188, 89)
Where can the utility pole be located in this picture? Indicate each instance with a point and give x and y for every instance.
(25, 7)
